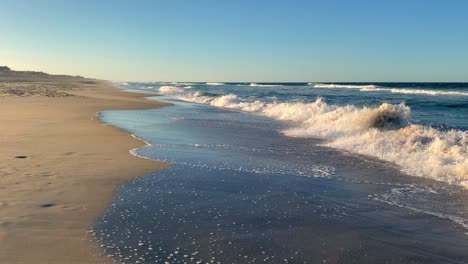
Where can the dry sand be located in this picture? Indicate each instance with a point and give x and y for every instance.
(49, 200)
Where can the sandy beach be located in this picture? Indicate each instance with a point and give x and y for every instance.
(233, 132)
(59, 165)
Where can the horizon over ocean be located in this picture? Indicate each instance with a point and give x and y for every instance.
(278, 132)
(295, 172)
(461, 84)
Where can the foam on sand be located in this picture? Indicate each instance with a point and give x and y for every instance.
(384, 131)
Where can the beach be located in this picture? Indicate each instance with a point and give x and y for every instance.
(59, 165)
(233, 132)
(244, 184)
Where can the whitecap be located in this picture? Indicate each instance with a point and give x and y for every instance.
(384, 132)
(263, 85)
(375, 88)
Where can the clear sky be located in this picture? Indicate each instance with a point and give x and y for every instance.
(238, 40)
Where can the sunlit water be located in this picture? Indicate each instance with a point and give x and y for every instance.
(240, 191)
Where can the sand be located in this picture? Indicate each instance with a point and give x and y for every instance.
(50, 198)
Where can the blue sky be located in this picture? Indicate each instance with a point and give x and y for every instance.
(238, 40)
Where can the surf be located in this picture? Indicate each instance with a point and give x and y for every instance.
(375, 88)
(385, 131)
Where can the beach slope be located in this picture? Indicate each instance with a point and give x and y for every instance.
(59, 165)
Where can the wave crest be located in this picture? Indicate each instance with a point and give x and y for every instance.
(170, 90)
(375, 88)
(263, 85)
(383, 132)
(389, 116)
(345, 86)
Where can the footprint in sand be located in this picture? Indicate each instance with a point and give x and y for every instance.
(47, 205)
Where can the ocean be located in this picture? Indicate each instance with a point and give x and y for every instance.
(295, 172)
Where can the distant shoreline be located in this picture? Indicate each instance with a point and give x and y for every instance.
(69, 168)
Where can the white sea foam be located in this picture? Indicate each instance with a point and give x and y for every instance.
(182, 83)
(426, 92)
(134, 151)
(404, 196)
(343, 86)
(374, 88)
(263, 85)
(176, 85)
(170, 90)
(214, 83)
(384, 132)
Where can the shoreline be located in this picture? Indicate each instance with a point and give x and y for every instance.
(132, 151)
(147, 144)
(229, 205)
(74, 163)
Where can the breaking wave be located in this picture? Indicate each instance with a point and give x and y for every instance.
(214, 83)
(416, 91)
(170, 90)
(263, 85)
(344, 86)
(384, 132)
(375, 88)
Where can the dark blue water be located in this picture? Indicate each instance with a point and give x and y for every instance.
(242, 191)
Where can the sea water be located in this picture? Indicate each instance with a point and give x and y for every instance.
(295, 172)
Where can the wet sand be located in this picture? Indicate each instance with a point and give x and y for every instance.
(60, 166)
(184, 215)
(240, 192)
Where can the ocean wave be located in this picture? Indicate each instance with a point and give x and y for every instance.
(375, 88)
(170, 89)
(215, 83)
(205, 94)
(263, 85)
(182, 83)
(176, 86)
(425, 92)
(384, 132)
(343, 86)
